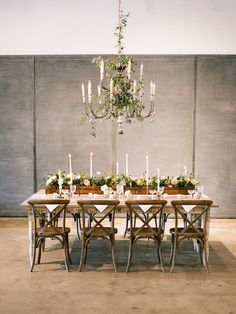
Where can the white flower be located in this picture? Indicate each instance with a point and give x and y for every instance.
(104, 188)
(78, 176)
(49, 181)
(86, 182)
(140, 181)
(174, 181)
(163, 177)
(193, 181)
(127, 193)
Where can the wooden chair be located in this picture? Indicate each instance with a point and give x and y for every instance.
(152, 214)
(194, 226)
(97, 229)
(45, 225)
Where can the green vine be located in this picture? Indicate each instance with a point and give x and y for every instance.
(124, 102)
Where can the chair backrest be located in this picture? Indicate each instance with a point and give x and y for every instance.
(99, 209)
(47, 212)
(147, 211)
(195, 215)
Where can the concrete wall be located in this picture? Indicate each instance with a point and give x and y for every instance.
(40, 107)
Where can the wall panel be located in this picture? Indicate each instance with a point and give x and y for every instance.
(167, 138)
(16, 133)
(58, 110)
(216, 130)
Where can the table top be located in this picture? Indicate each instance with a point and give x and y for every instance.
(73, 206)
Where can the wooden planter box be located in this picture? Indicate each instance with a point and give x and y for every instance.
(97, 190)
(167, 190)
(79, 189)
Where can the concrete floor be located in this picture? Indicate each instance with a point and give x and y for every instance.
(51, 289)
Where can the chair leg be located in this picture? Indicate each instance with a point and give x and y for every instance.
(113, 252)
(83, 254)
(171, 249)
(126, 224)
(40, 250)
(159, 253)
(205, 257)
(130, 254)
(33, 257)
(67, 249)
(65, 253)
(78, 224)
(173, 254)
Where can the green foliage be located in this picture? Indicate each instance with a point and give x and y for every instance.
(111, 180)
(123, 103)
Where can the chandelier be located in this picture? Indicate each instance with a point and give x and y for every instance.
(118, 96)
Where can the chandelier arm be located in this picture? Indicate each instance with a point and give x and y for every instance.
(94, 115)
(112, 100)
(150, 112)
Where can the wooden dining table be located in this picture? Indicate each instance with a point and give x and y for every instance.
(74, 208)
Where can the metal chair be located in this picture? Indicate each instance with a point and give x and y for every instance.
(45, 225)
(194, 226)
(146, 212)
(97, 229)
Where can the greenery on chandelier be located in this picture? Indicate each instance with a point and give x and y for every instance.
(121, 99)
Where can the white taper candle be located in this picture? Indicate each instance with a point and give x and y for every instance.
(91, 165)
(126, 164)
(147, 170)
(70, 167)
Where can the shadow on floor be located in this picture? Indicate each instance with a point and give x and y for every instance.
(145, 256)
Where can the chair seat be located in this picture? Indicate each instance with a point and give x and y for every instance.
(52, 231)
(190, 232)
(101, 232)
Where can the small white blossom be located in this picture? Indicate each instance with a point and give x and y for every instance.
(104, 188)
(86, 182)
(174, 181)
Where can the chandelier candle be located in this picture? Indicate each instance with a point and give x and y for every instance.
(185, 171)
(119, 96)
(83, 94)
(91, 165)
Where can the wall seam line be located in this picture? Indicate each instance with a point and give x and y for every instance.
(34, 128)
(194, 114)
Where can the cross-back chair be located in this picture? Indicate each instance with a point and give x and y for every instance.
(191, 222)
(46, 214)
(97, 229)
(148, 213)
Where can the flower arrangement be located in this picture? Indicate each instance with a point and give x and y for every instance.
(111, 180)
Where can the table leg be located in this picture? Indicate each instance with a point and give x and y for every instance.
(30, 224)
(207, 236)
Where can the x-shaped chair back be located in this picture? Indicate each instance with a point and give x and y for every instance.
(199, 214)
(41, 220)
(146, 211)
(89, 208)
